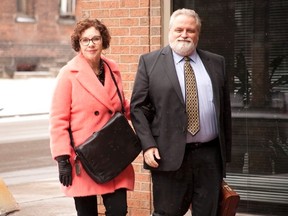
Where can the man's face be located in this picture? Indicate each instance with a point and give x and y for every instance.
(184, 35)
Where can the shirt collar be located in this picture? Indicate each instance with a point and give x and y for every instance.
(194, 56)
(178, 58)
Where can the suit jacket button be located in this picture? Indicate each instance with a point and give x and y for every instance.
(96, 113)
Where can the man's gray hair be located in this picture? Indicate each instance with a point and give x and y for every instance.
(187, 12)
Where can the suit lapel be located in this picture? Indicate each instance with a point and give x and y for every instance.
(209, 66)
(168, 65)
(212, 72)
(206, 62)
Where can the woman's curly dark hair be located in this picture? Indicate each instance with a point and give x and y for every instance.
(82, 25)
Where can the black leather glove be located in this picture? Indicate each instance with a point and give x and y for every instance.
(65, 170)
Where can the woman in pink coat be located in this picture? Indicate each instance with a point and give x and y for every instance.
(84, 99)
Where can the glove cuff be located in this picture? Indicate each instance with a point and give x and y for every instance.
(62, 158)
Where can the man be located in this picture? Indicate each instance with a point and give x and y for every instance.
(186, 167)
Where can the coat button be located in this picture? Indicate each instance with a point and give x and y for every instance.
(110, 112)
(96, 113)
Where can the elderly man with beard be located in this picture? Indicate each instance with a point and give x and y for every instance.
(186, 167)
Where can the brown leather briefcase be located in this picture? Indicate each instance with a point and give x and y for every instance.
(229, 201)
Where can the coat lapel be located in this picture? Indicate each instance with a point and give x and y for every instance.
(168, 65)
(90, 82)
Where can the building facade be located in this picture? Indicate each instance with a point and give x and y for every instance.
(35, 35)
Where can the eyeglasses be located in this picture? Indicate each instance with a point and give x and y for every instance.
(86, 41)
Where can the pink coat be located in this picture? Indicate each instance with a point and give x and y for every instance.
(82, 102)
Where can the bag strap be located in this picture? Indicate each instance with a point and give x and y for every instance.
(118, 91)
(71, 138)
(119, 94)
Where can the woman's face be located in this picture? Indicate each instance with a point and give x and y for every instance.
(91, 44)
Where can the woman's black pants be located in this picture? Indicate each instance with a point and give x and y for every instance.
(115, 204)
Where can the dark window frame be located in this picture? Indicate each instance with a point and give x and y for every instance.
(25, 11)
(67, 9)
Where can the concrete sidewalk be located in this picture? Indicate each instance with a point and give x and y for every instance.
(37, 193)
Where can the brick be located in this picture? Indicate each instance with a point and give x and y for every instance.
(97, 13)
(129, 22)
(139, 31)
(129, 40)
(88, 5)
(128, 58)
(119, 12)
(139, 49)
(155, 31)
(155, 3)
(144, 3)
(145, 187)
(137, 186)
(123, 68)
(120, 49)
(140, 212)
(155, 40)
(142, 12)
(142, 177)
(109, 4)
(144, 21)
(155, 21)
(129, 4)
(111, 22)
(139, 195)
(128, 76)
(121, 31)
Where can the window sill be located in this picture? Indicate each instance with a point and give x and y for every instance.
(22, 19)
(67, 20)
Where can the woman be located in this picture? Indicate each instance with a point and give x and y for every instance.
(85, 98)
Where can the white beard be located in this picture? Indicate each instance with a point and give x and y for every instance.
(182, 48)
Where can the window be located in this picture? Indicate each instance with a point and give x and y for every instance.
(67, 9)
(25, 11)
(252, 36)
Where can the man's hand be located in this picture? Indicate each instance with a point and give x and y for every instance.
(152, 157)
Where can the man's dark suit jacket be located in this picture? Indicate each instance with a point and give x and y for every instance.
(157, 84)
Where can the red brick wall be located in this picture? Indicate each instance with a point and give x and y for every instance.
(135, 27)
(46, 38)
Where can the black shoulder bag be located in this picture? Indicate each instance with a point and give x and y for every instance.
(107, 152)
